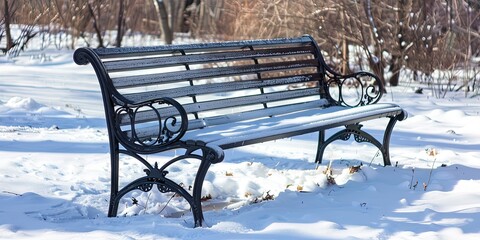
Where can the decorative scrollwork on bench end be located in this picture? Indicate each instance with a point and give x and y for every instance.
(155, 176)
(357, 89)
(150, 126)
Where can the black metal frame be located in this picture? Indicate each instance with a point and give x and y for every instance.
(371, 94)
(114, 105)
(172, 129)
(158, 176)
(360, 136)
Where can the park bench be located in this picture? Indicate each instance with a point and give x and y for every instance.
(200, 99)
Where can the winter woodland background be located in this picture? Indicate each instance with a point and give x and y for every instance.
(433, 42)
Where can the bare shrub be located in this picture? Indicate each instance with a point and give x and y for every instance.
(388, 37)
(393, 35)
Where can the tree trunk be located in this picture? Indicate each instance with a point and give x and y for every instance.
(163, 18)
(395, 67)
(95, 26)
(201, 18)
(178, 27)
(376, 64)
(172, 8)
(403, 8)
(345, 52)
(345, 56)
(120, 24)
(8, 33)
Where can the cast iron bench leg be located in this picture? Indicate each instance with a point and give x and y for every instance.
(156, 176)
(359, 136)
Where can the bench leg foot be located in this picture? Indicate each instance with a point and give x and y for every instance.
(386, 138)
(197, 193)
(114, 175)
(320, 148)
(208, 157)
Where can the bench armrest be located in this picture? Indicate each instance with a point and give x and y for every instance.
(157, 135)
(356, 89)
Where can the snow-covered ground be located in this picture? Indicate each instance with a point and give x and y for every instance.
(54, 171)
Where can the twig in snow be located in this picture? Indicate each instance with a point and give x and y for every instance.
(146, 203)
(16, 194)
(376, 155)
(429, 176)
(411, 180)
(329, 174)
(415, 185)
(167, 203)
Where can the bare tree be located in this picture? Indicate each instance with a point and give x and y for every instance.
(163, 18)
(96, 25)
(7, 19)
(74, 16)
(120, 23)
(178, 15)
(2, 31)
(394, 34)
(385, 36)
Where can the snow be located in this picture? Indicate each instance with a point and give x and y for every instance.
(54, 171)
(310, 119)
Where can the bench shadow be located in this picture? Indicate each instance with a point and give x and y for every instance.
(49, 146)
(39, 121)
(33, 212)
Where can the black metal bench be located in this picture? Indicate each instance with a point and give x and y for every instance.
(208, 97)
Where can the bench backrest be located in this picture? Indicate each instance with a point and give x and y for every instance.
(214, 82)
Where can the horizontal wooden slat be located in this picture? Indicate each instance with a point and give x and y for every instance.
(248, 100)
(198, 47)
(220, 87)
(222, 103)
(169, 77)
(180, 60)
(254, 114)
(123, 64)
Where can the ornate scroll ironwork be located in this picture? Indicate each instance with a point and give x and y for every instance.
(167, 130)
(155, 176)
(358, 89)
(359, 136)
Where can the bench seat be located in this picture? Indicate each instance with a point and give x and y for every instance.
(289, 124)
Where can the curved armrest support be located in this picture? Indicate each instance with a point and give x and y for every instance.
(166, 130)
(357, 89)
